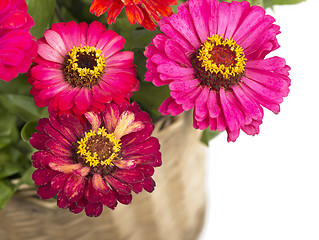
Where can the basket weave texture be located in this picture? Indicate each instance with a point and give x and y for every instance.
(174, 211)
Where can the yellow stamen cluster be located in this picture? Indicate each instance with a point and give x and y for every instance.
(73, 62)
(94, 159)
(208, 63)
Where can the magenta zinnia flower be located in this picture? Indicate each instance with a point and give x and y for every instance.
(212, 56)
(17, 46)
(79, 68)
(98, 162)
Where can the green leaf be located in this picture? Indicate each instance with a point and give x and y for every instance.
(22, 106)
(19, 85)
(150, 97)
(8, 128)
(27, 177)
(6, 192)
(42, 12)
(6, 167)
(271, 3)
(27, 130)
(13, 161)
(208, 135)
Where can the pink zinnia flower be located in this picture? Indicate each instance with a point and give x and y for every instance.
(17, 46)
(212, 56)
(79, 68)
(97, 162)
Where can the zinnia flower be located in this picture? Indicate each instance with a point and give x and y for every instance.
(141, 11)
(79, 68)
(98, 162)
(17, 46)
(212, 56)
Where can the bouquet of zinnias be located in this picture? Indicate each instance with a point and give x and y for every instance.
(80, 93)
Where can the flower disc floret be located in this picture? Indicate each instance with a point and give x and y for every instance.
(84, 66)
(99, 148)
(224, 56)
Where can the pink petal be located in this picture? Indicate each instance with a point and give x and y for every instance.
(94, 33)
(183, 23)
(174, 70)
(213, 105)
(229, 114)
(113, 46)
(50, 54)
(252, 109)
(174, 34)
(201, 110)
(237, 9)
(175, 52)
(169, 106)
(223, 18)
(83, 99)
(200, 17)
(55, 41)
(254, 17)
(11, 56)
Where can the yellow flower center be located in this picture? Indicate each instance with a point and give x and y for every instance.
(98, 148)
(84, 66)
(219, 62)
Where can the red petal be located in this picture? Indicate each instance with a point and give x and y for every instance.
(149, 184)
(46, 191)
(91, 194)
(130, 176)
(59, 180)
(43, 176)
(109, 199)
(94, 209)
(124, 199)
(74, 187)
(120, 187)
(63, 201)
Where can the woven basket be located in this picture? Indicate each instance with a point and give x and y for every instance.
(174, 211)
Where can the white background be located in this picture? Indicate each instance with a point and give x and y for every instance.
(267, 186)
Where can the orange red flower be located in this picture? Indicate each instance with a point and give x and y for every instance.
(143, 12)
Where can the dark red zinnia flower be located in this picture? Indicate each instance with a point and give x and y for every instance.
(141, 11)
(97, 162)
